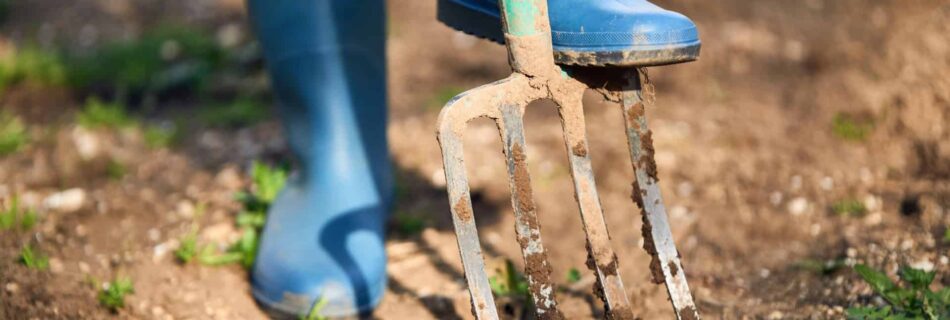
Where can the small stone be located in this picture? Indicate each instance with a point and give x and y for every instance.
(798, 206)
(186, 209)
(81, 230)
(923, 264)
(944, 260)
(764, 273)
(874, 218)
(83, 267)
(12, 287)
(776, 315)
(229, 177)
(66, 201)
(157, 311)
(154, 235)
(55, 265)
(907, 244)
(86, 142)
(827, 183)
(775, 198)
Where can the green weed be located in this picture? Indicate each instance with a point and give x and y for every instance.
(573, 275)
(13, 134)
(315, 310)
(116, 170)
(98, 114)
(849, 208)
(824, 268)
(159, 137)
(408, 224)
(242, 111)
(267, 182)
(31, 66)
(164, 58)
(188, 246)
(509, 282)
(10, 215)
(946, 235)
(33, 259)
(112, 297)
(852, 128)
(912, 300)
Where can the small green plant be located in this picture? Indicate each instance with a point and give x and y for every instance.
(316, 310)
(10, 215)
(158, 137)
(115, 170)
(912, 300)
(849, 208)
(946, 235)
(509, 282)
(188, 246)
(33, 259)
(820, 267)
(442, 96)
(850, 127)
(267, 182)
(112, 296)
(99, 114)
(242, 111)
(408, 224)
(13, 134)
(573, 275)
(31, 65)
(162, 59)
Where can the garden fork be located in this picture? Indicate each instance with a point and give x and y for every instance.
(535, 76)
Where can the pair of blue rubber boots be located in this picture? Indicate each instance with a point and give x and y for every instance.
(324, 236)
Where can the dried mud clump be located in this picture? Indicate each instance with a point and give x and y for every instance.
(580, 149)
(462, 209)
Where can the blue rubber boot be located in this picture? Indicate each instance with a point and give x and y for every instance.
(323, 240)
(592, 32)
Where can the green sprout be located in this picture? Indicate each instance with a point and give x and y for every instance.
(13, 134)
(509, 282)
(408, 224)
(9, 216)
(188, 247)
(33, 259)
(849, 208)
(112, 296)
(573, 275)
(242, 111)
(824, 268)
(912, 300)
(99, 114)
(31, 66)
(115, 170)
(315, 310)
(159, 137)
(851, 128)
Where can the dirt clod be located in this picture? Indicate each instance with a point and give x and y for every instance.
(688, 313)
(656, 270)
(462, 208)
(580, 149)
(673, 269)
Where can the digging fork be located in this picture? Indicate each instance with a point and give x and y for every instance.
(535, 76)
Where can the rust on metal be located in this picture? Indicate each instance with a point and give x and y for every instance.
(463, 209)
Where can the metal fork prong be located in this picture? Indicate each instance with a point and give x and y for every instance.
(602, 258)
(527, 227)
(480, 102)
(658, 240)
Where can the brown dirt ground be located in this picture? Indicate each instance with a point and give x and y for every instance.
(747, 160)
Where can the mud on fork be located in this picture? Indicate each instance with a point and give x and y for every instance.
(535, 76)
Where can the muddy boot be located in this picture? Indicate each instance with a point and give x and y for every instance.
(323, 240)
(592, 32)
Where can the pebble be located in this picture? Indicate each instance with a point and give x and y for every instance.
(83, 267)
(229, 177)
(66, 201)
(827, 183)
(55, 265)
(923, 264)
(12, 287)
(154, 235)
(944, 260)
(86, 142)
(186, 209)
(775, 198)
(764, 273)
(798, 206)
(776, 315)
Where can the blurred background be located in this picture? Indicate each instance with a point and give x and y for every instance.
(139, 151)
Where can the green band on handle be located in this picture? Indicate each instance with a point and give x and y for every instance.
(521, 17)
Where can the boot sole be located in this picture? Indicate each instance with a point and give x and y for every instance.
(485, 25)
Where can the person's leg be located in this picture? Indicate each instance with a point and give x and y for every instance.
(324, 235)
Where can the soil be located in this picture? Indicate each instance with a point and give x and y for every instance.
(744, 146)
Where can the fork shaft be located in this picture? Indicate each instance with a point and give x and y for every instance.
(658, 240)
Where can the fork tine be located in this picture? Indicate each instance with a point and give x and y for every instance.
(537, 268)
(601, 257)
(658, 240)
